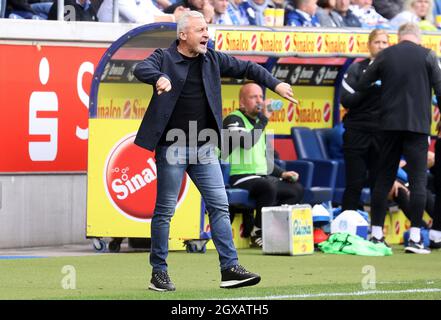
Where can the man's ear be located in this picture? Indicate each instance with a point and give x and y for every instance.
(182, 36)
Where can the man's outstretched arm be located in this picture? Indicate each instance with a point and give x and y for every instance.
(233, 67)
(149, 71)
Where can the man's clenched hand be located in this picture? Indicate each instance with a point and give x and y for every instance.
(163, 84)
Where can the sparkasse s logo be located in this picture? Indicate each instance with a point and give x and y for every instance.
(130, 178)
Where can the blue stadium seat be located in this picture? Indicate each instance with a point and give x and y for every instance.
(308, 148)
(236, 197)
(323, 137)
(305, 169)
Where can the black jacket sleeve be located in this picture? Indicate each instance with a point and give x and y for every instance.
(149, 70)
(371, 74)
(235, 68)
(349, 97)
(171, 8)
(434, 67)
(388, 8)
(277, 171)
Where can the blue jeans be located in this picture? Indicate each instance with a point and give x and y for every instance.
(172, 163)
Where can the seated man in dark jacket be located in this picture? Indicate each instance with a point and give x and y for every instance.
(203, 6)
(301, 13)
(348, 17)
(74, 10)
(27, 9)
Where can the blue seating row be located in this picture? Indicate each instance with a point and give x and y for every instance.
(323, 178)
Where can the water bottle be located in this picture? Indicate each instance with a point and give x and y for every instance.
(294, 178)
(275, 105)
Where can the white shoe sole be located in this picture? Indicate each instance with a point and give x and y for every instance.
(231, 284)
(416, 250)
(152, 287)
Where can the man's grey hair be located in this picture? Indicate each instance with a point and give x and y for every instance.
(409, 28)
(183, 20)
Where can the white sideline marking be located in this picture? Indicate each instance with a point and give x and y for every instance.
(337, 294)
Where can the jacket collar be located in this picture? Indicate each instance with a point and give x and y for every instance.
(177, 58)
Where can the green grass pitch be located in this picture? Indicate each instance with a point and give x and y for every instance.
(197, 276)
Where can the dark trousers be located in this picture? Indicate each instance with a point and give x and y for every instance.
(437, 183)
(402, 199)
(393, 145)
(269, 191)
(360, 149)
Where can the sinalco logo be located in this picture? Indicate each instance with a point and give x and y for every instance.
(130, 178)
(287, 42)
(327, 112)
(397, 227)
(319, 43)
(253, 42)
(351, 43)
(290, 112)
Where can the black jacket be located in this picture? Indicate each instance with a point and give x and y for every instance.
(21, 5)
(388, 8)
(408, 72)
(363, 107)
(350, 20)
(171, 9)
(71, 6)
(170, 64)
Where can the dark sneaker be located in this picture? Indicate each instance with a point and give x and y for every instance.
(237, 277)
(161, 282)
(416, 247)
(435, 244)
(379, 241)
(256, 239)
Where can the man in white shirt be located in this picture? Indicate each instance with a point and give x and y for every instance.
(366, 13)
(220, 12)
(137, 11)
(228, 12)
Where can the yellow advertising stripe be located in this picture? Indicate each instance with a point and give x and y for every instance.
(432, 42)
(312, 43)
(123, 100)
